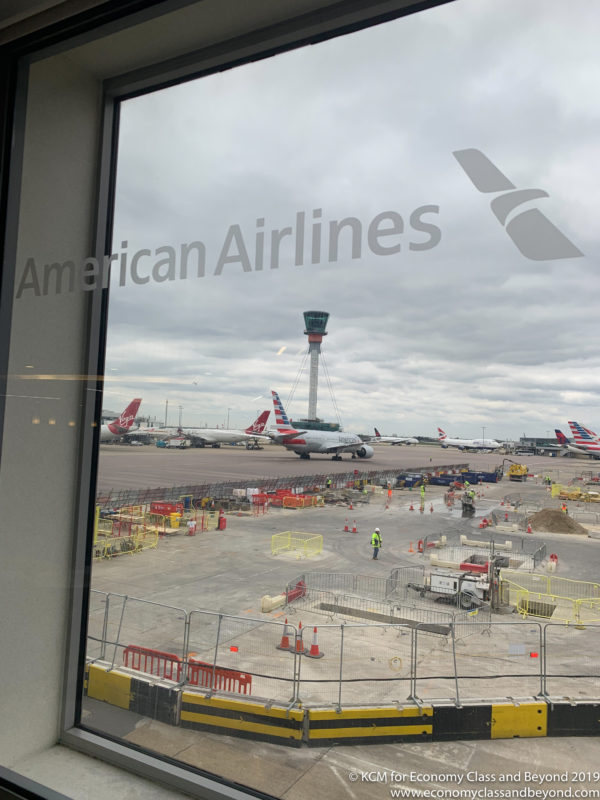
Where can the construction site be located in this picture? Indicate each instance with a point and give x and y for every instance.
(262, 613)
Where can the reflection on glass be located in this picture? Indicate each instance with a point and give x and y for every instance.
(234, 591)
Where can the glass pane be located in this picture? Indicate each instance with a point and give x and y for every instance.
(389, 231)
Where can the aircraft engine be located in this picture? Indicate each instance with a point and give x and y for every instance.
(365, 451)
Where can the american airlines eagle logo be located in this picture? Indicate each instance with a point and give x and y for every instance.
(532, 232)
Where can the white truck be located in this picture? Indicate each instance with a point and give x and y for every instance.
(458, 588)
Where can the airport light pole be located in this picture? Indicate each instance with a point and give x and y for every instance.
(228, 410)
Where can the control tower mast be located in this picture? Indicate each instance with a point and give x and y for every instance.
(315, 322)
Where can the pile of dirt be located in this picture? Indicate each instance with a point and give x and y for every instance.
(553, 521)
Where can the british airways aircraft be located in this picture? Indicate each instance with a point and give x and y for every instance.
(394, 439)
(303, 443)
(467, 444)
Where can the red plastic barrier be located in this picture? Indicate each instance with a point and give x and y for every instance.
(156, 662)
(298, 591)
(420, 545)
(166, 508)
(200, 673)
(466, 566)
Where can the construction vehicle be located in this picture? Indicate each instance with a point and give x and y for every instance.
(517, 472)
(458, 588)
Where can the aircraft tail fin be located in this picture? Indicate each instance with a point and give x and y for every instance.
(259, 424)
(377, 434)
(282, 421)
(562, 439)
(582, 435)
(441, 435)
(124, 422)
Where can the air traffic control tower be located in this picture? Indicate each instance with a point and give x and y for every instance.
(315, 323)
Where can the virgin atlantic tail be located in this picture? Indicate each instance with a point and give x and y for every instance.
(121, 425)
(258, 425)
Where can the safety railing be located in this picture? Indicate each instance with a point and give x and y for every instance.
(553, 584)
(305, 545)
(111, 546)
(358, 662)
(372, 586)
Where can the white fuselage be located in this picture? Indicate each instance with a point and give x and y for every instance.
(306, 442)
(470, 444)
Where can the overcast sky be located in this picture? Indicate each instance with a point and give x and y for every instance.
(466, 334)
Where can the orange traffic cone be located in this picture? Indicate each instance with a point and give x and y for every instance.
(506, 516)
(411, 507)
(314, 651)
(431, 509)
(354, 528)
(529, 528)
(410, 548)
(351, 506)
(346, 525)
(299, 643)
(285, 639)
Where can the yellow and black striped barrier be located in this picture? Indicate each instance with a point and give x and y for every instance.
(370, 725)
(242, 718)
(172, 704)
(149, 698)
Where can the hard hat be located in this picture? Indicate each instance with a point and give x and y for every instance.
(376, 530)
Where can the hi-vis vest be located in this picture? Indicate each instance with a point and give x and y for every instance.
(376, 539)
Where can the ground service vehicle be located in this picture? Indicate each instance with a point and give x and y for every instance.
(517, 472)
(458, 588)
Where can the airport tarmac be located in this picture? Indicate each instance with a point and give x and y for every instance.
(230, 571)
(126, 467)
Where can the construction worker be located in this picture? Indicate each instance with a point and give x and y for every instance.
(423, 492)
(328, 482)
(563, 508)
(376, 542)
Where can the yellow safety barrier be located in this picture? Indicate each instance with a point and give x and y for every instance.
(209, 521)
(552, 584)
(143, 539)
(305, 545)
(552, 606)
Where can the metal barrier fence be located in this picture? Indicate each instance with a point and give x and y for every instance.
(111, 498)
(371, 586)
(305, 544)
(361, 663)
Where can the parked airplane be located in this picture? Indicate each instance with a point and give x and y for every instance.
(215, 437)
(585, 441)
(394, 439)
(467, 444)
(122, 425)
(303, 443)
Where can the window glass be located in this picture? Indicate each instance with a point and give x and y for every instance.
(428, 184)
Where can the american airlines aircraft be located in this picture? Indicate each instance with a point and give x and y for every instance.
(467, 444)
(394, 439)
(585, 441)
(122, 425)
(303, 443)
